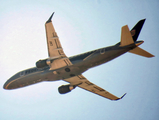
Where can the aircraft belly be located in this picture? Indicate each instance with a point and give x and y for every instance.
(105, 57)
(66, 72)
(48, 75)
(24, 81)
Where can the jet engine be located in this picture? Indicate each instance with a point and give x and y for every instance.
(66, 88)
(43, 63)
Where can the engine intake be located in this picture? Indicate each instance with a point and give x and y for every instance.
(66, 88)
(43, 63)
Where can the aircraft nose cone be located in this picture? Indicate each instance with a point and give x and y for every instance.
(5, 85)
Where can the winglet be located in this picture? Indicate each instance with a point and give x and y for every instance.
(121, 97)
(49, 20)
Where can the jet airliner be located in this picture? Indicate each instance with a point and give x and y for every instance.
(60, 67)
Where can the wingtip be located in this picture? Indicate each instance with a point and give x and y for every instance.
(121, 97)
(49, 20)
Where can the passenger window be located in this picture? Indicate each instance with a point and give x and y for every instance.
(22, 73)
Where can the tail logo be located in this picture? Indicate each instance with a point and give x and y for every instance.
(133, 32)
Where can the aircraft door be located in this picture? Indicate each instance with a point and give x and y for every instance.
(102, 51)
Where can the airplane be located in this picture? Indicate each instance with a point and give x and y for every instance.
(60, 67)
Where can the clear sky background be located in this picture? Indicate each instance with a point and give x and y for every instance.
(82, 26)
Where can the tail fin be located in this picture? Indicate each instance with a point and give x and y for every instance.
(135, 31)
(127, 39)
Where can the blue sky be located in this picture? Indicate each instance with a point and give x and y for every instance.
(81, 26)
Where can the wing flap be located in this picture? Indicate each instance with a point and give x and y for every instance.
(58, 63)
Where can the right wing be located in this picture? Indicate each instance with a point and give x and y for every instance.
(55, 49)
(82, 82)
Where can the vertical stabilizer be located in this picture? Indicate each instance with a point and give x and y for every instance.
(135, 31)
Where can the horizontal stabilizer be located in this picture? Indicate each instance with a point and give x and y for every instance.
(126, 38)
(141, 52)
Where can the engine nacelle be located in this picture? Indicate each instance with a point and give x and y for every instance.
(66, 88)
(43, 63)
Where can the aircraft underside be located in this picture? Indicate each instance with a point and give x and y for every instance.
(60, 67)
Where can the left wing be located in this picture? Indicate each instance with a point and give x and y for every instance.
(82, 82)
(55, 50)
